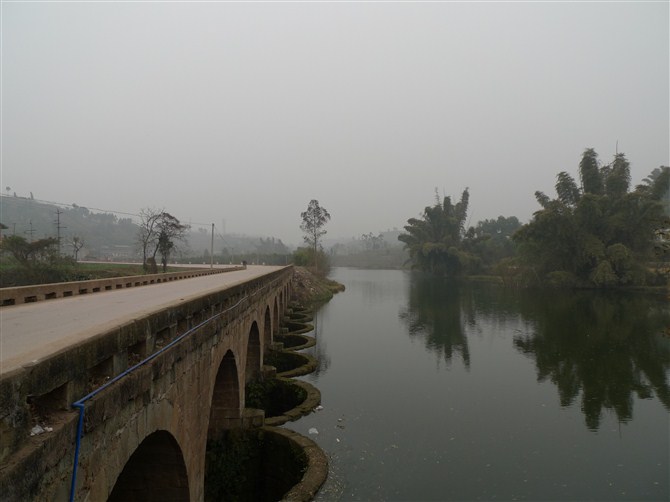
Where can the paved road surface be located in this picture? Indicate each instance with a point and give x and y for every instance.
(32, 331)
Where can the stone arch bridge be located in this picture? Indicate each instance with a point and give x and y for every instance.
(150, 394)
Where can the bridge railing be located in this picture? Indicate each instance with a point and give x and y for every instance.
(41, 292)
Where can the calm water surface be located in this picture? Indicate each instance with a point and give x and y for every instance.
(433, 392)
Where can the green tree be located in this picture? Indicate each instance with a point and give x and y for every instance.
(170, 231)
(304, 257)
(434, 241)
(657, 186)
(599, 235)
(590, 173)
(491, 240)
(29, 253)
(38, 262)
(313, 221)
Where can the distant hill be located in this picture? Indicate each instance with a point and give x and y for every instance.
(110, 237)
(104, 234)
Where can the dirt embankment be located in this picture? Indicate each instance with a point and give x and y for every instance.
(310, 289)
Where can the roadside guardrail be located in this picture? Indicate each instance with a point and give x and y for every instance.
(41, 292)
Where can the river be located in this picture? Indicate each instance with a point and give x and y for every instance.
(432, 391)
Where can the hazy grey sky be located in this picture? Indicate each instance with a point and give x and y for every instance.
(246, 111)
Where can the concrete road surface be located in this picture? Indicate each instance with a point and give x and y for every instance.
(33, 331)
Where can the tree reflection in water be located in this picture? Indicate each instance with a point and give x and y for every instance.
(601, 348)
(605, 347)
(438, 310)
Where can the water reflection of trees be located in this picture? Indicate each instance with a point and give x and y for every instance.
(600, 350)
(437, 311)
(319, 351)
(606, 348)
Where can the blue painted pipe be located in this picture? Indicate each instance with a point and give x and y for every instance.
(80, 426)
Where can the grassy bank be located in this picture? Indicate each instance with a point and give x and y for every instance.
(310, 289)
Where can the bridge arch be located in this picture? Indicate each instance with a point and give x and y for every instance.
(225, 397)
(267, 327)
(275, 318)
(253, 367)
(156, 471)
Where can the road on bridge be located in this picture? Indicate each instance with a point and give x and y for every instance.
(33, 331)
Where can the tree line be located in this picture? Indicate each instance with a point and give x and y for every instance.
(598, 233)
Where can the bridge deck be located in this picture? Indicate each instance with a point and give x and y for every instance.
(33, 331)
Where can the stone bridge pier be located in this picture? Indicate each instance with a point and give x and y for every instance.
(157, 389)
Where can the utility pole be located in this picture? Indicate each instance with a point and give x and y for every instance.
(58, 226)
(211, 250)
(29, 232)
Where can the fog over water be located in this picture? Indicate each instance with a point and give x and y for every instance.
(246, 111)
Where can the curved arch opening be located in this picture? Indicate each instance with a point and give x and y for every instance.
(267, 328)
(156, 472)
(276, 317)
(225, 408)
(253, 368)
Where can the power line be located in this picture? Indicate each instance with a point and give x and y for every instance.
(63, 204)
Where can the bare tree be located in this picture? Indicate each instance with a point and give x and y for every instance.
(77, 243)
(147, 235)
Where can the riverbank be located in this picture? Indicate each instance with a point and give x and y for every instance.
(310, 289)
